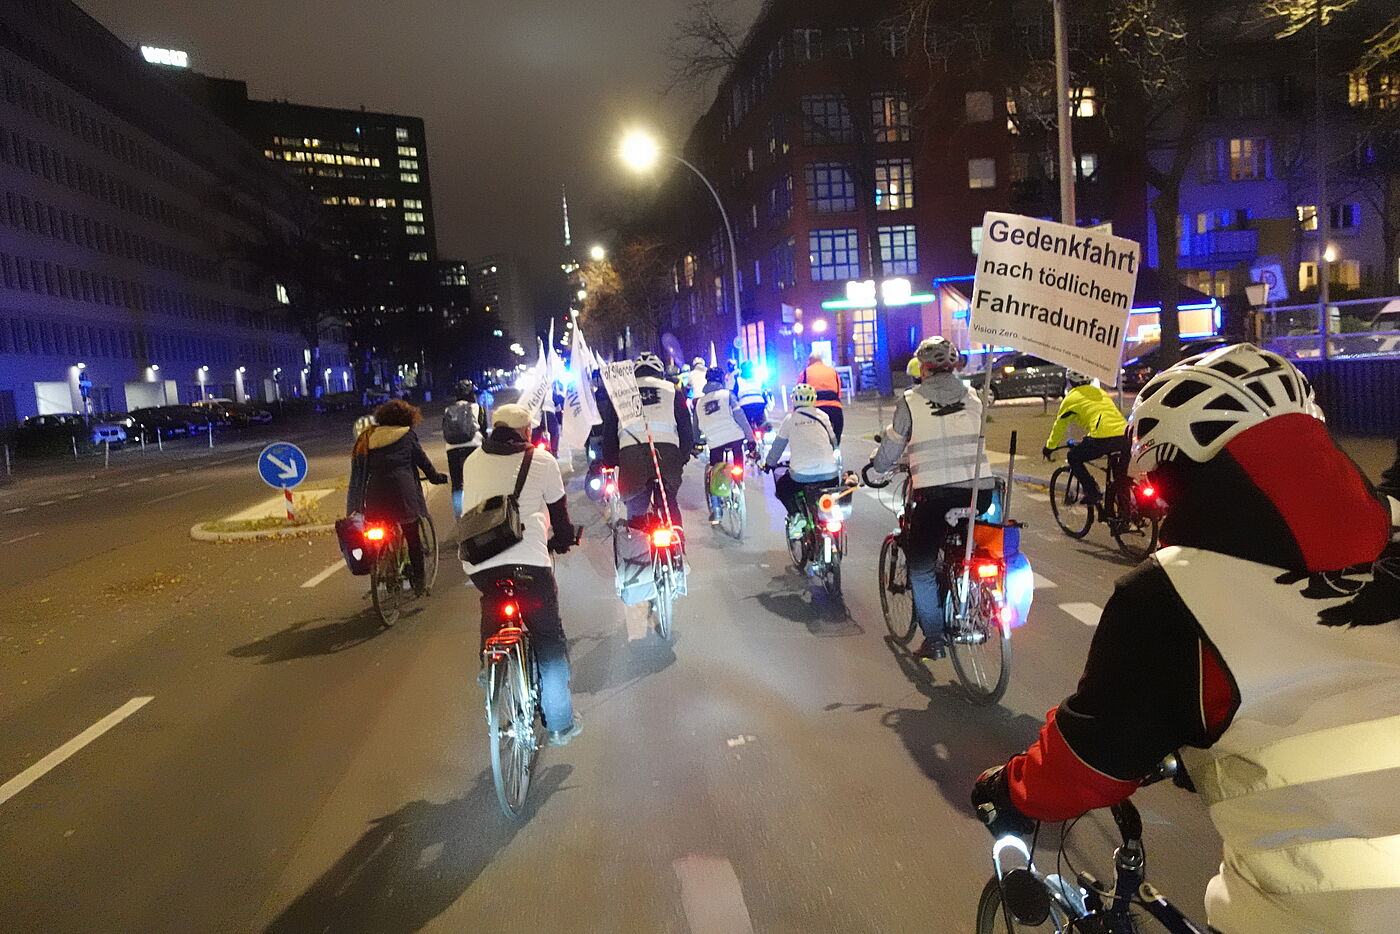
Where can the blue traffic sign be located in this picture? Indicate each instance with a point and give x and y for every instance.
(282, 465)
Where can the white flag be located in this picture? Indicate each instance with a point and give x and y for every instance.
(535, 385)
(580, 408)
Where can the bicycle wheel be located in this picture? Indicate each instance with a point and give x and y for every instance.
(1073, 517)
(665, 603)
(831, 573)
(510, 721)
(1136, 535)
(991, 919)
(797, 549)
(980, 647)
(427, 534)
(896, 596)
(734, 513)
(386, 584)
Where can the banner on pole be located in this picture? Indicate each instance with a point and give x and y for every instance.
(535, 385)
(620, 380)
(1060, 292)
(580, 408)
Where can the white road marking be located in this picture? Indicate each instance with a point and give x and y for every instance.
(21, 538)
(711, 896)
(1038, 497)
(145, 479)
(101, 489)
(47, 502)
(11, 512)
(45, 765)
(1043, 583)
(193, 489)
(323, 575)
(74, 496)
(1086, 613)
(120, 485)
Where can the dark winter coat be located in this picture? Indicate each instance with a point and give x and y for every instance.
(384, 475)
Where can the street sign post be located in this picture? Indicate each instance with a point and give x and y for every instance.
(282, 465)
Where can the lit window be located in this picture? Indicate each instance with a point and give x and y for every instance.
(409, 203)
(830, 188)
(1307, 216)
(408, 163)
(889, 116)
(1085, 102)
(1249, 159)
(1345, 216)
(1011, 126)
(401, 134)
(834, 254)
(981, 173)
(413, 216)
(408, 178)
(978, 106)
(1307, 276)
(421, 256)
(826, 120)
(894, 184)
(413, 229)
(1358, 89)
(899, 254)
(386, 203)
(976, 240)
(688, 270)
(1088, 164)
(411, 151)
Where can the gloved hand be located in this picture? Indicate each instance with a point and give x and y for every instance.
(991, 799)
(751, 448)
(561, 543)
(1048, 453)
(1378, 600)
(439, 480)
(766, 468)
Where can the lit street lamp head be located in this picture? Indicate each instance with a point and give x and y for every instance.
(597, 253)
(640, 151)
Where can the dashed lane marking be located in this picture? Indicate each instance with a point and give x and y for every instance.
(21, 538)
(1043, 583)
(145, 479)
(711, 896)
(11, 512)
(193, 489)
(47, 502)
(75, 496)
(1086, 613)
(56, 758)
(322, 576)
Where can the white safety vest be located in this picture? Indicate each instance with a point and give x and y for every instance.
(942, 448)
(659, 410)
(716, 418)
(749, 391)
(1302, 786)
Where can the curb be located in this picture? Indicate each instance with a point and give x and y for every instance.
(200, 534)
(1025, 478)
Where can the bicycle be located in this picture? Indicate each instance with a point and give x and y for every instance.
(1023, 898)
(977, 615)
(1132, 510)
(665, 544)
(818, 551)
(390, 580)
(733, 510)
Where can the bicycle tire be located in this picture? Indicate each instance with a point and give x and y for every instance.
(896, 593)
(427, 535)
(1073, 517)
(734, 512)
(665, 602)
(510, 720)
(976, 642)
(797, 549)
(831, 575)
(992, 920)
(386, 586)
(1136, 535)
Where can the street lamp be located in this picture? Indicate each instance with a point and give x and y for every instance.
(203, 374)
(640, 152)
(597, 253)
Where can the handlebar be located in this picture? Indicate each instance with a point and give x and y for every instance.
(865, 476)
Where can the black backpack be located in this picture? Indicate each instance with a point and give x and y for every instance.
(458, 423)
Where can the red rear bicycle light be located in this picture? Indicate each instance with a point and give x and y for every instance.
(610, 489)
(375, 533)
(986, 569)
(834, 525)
(541, 446)
(1007, 615)
(737, 472)
(510, 611)
(1147, 491)
(663, 538)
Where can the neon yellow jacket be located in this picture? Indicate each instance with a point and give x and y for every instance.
(1090, 408)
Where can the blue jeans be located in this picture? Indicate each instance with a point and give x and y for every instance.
(538, 598)
(926, 528)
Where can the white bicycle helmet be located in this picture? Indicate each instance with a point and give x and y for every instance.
(939, 352)
(1076, 378)
(1201, 404)
(803, 394)
(646, 360)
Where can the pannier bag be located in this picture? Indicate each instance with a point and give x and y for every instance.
(350, 533)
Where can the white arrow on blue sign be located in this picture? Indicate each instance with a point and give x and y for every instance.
(282, 465)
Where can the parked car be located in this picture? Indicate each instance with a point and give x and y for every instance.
(1146, 359)
(154, 420)
(1022, 375)
(194, 418)
(216, 411)
(245, 413)
(57, 433)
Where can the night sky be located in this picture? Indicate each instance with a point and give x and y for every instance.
(519, 96)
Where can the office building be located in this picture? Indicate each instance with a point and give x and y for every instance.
(127, 210)
(498, 289)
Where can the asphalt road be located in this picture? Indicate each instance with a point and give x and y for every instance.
(251, 752)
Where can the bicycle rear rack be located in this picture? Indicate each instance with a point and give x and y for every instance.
(501, 644)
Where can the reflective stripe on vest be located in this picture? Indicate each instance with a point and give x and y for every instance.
(1300, 785)
(749, 391)
(716, 419)
(659, 410)
(943, 448)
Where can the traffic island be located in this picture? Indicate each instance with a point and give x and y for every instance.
(268, 519)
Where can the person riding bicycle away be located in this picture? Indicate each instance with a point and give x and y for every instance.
(1221, 645)
(812, 465)
(463, 425)
(699, 376)
(667, 423)
(1093, 410)
(821, 377)
(527, 564)
(753, 396)
(937, 423)
(384, 465)
(725, 427)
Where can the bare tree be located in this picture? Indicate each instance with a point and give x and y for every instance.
(704, 44)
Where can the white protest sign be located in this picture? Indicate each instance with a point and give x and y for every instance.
(621, 382)
(1059, 292)
(580, 409)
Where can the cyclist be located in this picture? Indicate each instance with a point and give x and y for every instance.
(527, 564)
(384, 465)
(667, 423)
(463, 424)
(1215, 645)
(752, 394)
(724, 427)
(1089, 407)
(699, 376)
(937, 423)
(821, 377)
(812, 463)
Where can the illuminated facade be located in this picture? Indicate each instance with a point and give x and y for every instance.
(498, 289)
